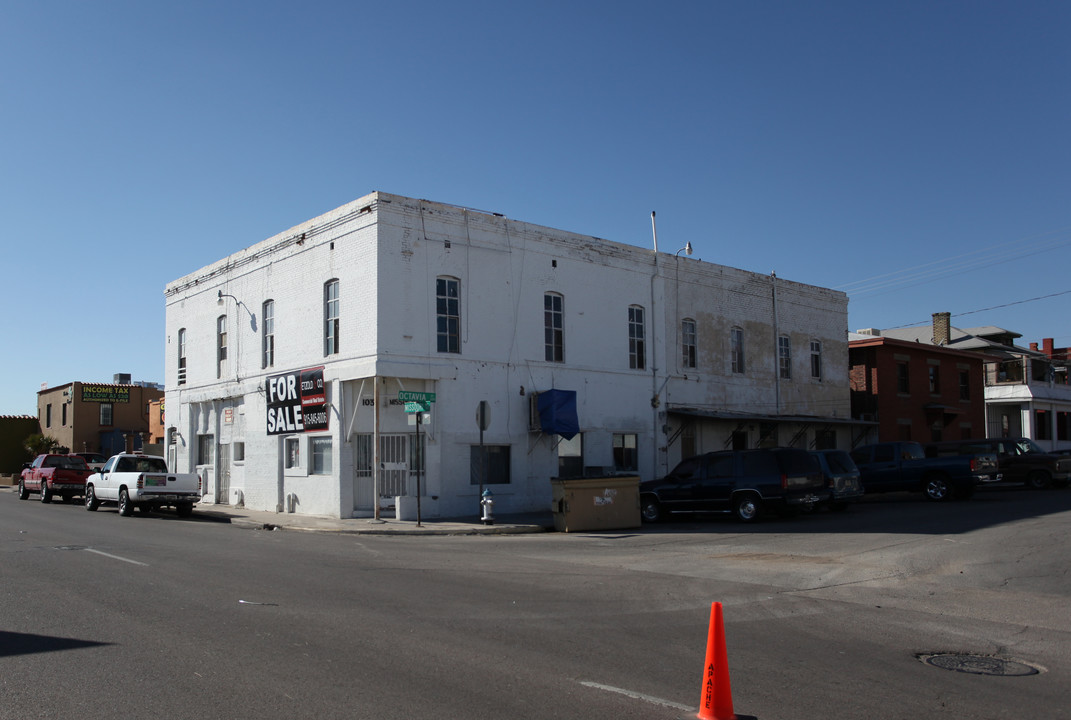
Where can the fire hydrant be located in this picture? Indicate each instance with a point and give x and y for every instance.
(488, 504)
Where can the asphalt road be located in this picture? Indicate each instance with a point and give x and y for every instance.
(825, 616)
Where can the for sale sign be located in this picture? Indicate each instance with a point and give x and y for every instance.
(297, 402)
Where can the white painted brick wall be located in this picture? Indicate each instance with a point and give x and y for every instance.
(387, 260)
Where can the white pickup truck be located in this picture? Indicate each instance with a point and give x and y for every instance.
(133, 479)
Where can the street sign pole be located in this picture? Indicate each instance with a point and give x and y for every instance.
(420, 462)
(483, 419)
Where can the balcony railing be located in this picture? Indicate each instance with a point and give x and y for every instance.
(1025, 371)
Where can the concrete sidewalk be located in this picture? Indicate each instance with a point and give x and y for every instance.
(387, 525)
(503, 525)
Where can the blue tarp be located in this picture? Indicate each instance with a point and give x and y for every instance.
(557, 413)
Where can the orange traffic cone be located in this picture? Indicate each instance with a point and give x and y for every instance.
(717, 700)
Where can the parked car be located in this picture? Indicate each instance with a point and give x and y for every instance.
(842, 478)
(53, 474)
(134, 480)
(1021, 460)
(895, 466)
(745, 483)
(95, 461)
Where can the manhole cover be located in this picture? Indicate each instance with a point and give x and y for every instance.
(979, 664)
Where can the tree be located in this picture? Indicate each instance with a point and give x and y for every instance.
(38, 444)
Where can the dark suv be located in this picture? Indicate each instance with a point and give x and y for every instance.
(741, 482)
(1020, 460)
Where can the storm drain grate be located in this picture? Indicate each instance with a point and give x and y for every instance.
(979, 664)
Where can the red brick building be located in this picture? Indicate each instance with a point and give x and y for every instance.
(916, 390)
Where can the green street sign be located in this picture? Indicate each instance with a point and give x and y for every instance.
(407, 396)
(417, 407)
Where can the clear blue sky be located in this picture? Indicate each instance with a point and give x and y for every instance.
(915, 154)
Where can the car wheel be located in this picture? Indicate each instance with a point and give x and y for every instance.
(1038, 480)
(23, 492)
(937, 488)
(747, 507)
(126, 508)
(91, 499)
(46, 494)
(184, 510)
(650, 510)
(838, 506)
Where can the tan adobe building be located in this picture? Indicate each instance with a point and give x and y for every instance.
(97, 417)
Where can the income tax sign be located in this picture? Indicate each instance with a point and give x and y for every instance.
(297, 402)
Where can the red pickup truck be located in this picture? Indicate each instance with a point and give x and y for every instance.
(51, 475)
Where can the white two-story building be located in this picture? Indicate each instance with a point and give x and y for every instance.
(338, 368)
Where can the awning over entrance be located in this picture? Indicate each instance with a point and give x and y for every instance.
(557, 413)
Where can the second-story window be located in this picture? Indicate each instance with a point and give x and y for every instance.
(784, 356)
(816, 359)
(267, 316)
(637, 350)
(935, 379)
(553, 327)
(448, 314)
(964, 384)
(688, 343)
(736, 349)
(331, 322)
(903, 378)
(182, 356)
(221, 345)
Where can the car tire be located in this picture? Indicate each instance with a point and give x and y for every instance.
(23, 492)
(1038, 480)
(747, 507)
(91, 499)
(937, 488)
(651, 510)
(184, 510)
(838, 506)
(126, 508)
(46, 494)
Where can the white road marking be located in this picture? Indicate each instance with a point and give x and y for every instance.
(638, 696)
(116, 557)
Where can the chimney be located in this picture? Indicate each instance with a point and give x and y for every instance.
(1034, 346)
(942, 330)
(1046, 346)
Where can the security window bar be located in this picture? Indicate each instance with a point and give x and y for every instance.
(688, 343)
(553, 327)
(448, 315)
(331, 318)
(637, 351)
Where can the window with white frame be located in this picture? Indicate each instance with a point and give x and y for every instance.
(489, 464)
(106, 414)
(292, 453)
(784, 356)
(637, 351)
(688, 343)
(553, 327)
(331, 318)
(221, 346)
(816, 359)
(320, 451)
(182, 356)
(448, 314)
(625, 457)
(267, 317)
(736, 349)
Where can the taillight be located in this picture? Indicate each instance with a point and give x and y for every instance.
(784, 481)
(141, 482)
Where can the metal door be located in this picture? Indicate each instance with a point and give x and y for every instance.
(223, 492)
